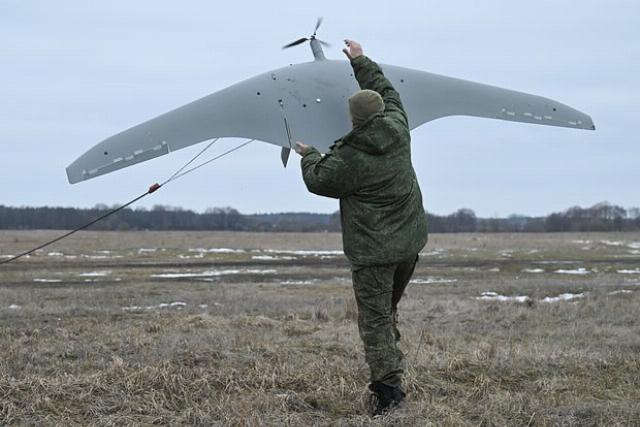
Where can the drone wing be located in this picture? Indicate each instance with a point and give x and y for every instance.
(427, 97)
(308, 102)
(247, 110)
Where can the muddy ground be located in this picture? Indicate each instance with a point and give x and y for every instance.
(217, 328)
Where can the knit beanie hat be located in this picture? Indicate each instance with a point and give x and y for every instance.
(363, 104)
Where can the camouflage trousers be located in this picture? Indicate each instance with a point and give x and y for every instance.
(378, 290)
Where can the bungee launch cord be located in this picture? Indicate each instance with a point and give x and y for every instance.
(178, 174)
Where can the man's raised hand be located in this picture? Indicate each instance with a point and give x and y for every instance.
(301, 148)
(353, 49)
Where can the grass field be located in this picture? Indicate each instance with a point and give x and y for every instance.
(259, 329)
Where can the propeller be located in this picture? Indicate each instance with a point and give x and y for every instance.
(311, 37)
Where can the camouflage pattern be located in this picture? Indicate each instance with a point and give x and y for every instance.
(370, 171)
(378, 290)
(383, 222)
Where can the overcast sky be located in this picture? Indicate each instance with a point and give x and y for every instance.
(75, 72)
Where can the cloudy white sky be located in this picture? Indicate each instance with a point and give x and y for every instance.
(74, 72)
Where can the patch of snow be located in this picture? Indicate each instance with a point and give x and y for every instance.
(95, 274)
(630, 245)
(14, 307)
(47, 280)
(256, 271)
(303, 252)
(612, 243)
(580, 271)
(146, 250)
(99, 257)
(217, 250)
(635, 271)
(634, 252)
(212, 273)
(562, 297)
(581, 242)
(621, 291)
(6, 256)
(430, 280)
(494, 270)
(178, 304)
(493, 296)
(434, 252)
(555, 262)
(172, 304)
(55, 254)
(200, 255)
(533, 270)
(187, 275)
(297, 282)
(272, 258)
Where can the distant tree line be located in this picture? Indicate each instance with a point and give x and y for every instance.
(601, 217)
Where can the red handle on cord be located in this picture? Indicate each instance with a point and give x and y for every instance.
(154, 187)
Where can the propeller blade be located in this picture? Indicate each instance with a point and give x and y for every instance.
(295, 43)
(318, 23)
(323, 43)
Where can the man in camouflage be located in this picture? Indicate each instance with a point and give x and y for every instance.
(383, 220)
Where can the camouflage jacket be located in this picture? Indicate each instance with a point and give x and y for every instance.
(370, 171)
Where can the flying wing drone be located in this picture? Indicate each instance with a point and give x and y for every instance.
(308, 102)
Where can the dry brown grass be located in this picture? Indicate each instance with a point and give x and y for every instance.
(282, 348)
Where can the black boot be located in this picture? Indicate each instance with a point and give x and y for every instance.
(385, 399)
